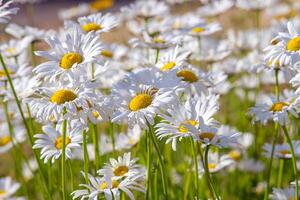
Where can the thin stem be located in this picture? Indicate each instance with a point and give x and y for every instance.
(196, 167)
(271, 162)
(33, 61)
(276, 84)
(85, 158)
(156, 55)
(63, 159)
(160, 158)
(96, 146)
(111, 131)
(25, 124)
(148, 189)
(207, 173)
(280, 174)
(289, 141)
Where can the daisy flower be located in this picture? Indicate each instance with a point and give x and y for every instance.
(5, 11)
(178, 116)
(8, 188)
(140, 105)
(14, 48)
(98, 23)
(277, 111)
(283, 194)
(203, 29)
(110, 187)
(255, 4)
(286, 49)
(215, 8)
(50, 142)
(68, 57)
(282, 151)
(129, 139)
(124, 166)
(49, 102)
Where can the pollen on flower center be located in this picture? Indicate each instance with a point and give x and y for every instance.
(234, 155)
(211, 165)
(198, 30)
(98, 5)
(59, 142)
(91, 27)
(278, 106)
(168, 66)
(207, 135)
(187, 76)
(183, 129)
(2, 192)
(104, 185)
(69, 59)
(5, 140)
(293, 44)
(159, 40)
(107, 53)
(62, 96)
(284, 152)
(121, 170)
(140, 101)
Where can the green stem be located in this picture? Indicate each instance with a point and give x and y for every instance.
(289, 141)
(160, 158)
(207, 173)
(271, 162)
(148, 189)
(33, 61)
(196, 167)
(25, 124)
(112, 135)
(96, 146)
(280, 174)
(276, 84)
(156, 55)
(85, 158)
(63, 159)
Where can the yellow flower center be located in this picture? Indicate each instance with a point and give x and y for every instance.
(159, 40)
(62, 96)
(140, 101)
(11, 50)
(121, 170)
(5, 140)
(59, 142)
(91, 27)
(101, 4)
(183, 129)
(69, 59)
(96, 114)
(293, 44)
(278, 106)
(284, 152)
(207, 135)
(107, 53)
(104, 185)
(198, 30)
(168, 66)
(234, 155)
(291, 14)
(2, 73)
(187, 76)
(2, 192)
(211, 165)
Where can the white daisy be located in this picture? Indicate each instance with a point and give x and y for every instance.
(8, 188)
(282, 151)
(283, 194)
(50, 142)
(5, 11)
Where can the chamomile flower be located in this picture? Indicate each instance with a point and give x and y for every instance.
(138, 106)
(215, 8)
(69, 56)
(8, 188)
(51, 142)
(282, 151)
(200, 30)
(177, 117)
(97, 22)
(129, 139)
(283, 194)
(7, 140)
(109, 187)
(14, 48)
(286, 49)
(124, 166)
(275, 110)
(49, 103)
(6, 11)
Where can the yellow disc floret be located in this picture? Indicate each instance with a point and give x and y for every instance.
(62, 96)
(207, 135)
(59, 142)
(187, 76)
(107, 53)
(121, 170)
(140, 101)
(91, 27)
(69, 59)
(198, 30)
(293, 44)
(183, 129)
(168, 66)
(278, 106)
(5, 140)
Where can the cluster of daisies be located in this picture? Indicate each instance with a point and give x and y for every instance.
(169, 98)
